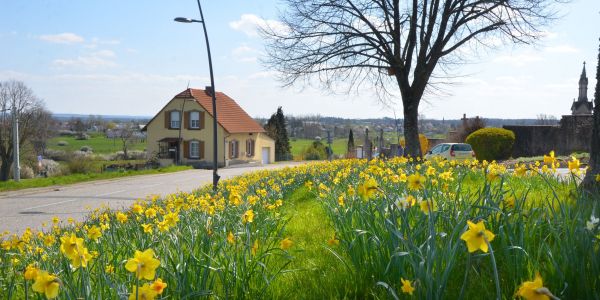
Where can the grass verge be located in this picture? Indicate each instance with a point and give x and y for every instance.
(76, 178)
(316, 265)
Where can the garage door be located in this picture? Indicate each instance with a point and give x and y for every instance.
(265, 155)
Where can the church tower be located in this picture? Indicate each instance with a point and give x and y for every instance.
(582, 106)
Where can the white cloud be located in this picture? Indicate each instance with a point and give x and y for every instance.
(250, 24)
(102, 58)
(62, 38)
(264, 74)
(245, 53)
(561, 49)
(518, 60)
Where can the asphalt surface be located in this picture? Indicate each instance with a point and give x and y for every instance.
(32, 207)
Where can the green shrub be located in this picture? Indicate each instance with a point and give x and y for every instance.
(492, 143)
(316, 151)
(81, 165)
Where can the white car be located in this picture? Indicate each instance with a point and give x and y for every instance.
(451, 151)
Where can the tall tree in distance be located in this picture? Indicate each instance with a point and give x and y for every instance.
(350, 142)
(276, 129)
(591, 182)
(31, 112)
(392, 46)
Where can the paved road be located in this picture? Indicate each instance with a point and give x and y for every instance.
(32, 207)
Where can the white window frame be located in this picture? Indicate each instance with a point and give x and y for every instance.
(194, 147)
(175, 122)
(194, 122)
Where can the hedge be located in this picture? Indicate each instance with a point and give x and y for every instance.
(492, 143)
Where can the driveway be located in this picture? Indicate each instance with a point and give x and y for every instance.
(32, 207)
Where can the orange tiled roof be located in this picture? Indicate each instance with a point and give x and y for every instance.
(229, 114)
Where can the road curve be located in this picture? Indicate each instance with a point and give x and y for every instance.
(32, 207)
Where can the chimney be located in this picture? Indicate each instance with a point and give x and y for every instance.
(208, 90)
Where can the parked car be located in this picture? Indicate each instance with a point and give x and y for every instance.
(451, 151)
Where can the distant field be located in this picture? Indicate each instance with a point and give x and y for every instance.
(99, 143)
(339, 145)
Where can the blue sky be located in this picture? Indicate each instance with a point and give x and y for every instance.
(129, 57)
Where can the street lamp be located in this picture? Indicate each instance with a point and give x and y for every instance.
(212, 92)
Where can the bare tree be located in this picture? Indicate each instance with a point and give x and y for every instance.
(43, 130)
(29, 108)
(543, 119)
(127, 134)
(356, 44)
(590, 182)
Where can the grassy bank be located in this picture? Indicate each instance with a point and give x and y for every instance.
(76, 178)
(298, 145)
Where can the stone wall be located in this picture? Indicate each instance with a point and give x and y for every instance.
(573, 134)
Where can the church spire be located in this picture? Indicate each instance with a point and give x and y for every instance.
(583, 83)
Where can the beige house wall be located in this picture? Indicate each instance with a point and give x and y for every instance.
(262, 140)
(157, 131)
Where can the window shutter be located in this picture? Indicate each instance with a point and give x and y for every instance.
(231, 149)
(237, 149)
(167, 119)
(202, 119)
(201, 145)
(253, 146)
(186, 119)
(186, 149)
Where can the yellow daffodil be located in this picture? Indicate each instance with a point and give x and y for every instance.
(286, 244)
(477, 237)
(427, 206)
(31, 272)
(407, 287)
(144, 264)
(574, 165)
(158, 286)
(121, 217)
(254, 247)
(598, 177)
(230, 238)
(81, 259)
(368, 189)
(248, 216)
(109, 269)
(534, 290)
(333, 241)
(71, 245)
(549, 159)
(416, 181)
(147, 228)
(94, 233)
(46, 284)
(145, 292)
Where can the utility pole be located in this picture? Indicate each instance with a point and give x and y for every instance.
(17, 166)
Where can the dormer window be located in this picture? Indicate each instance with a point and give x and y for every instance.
(175, 119)
(195, 119)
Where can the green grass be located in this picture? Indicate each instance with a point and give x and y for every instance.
(314, 267)
(75, 178)
(339, 145)
(99, 143)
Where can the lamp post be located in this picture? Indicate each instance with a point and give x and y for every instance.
(212, 92)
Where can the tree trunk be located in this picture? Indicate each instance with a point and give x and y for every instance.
(411, 128)
(589, 182)
(5, 169)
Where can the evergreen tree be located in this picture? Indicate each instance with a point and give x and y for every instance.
(276, 129)
(350, 141)
(590, 182)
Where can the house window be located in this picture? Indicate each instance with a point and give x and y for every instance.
(194, 149)
(234, 149)
(250, 147)
(175, 119)
(195, 119)
(163, 150)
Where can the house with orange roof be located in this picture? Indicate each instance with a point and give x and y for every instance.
(182, 132)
